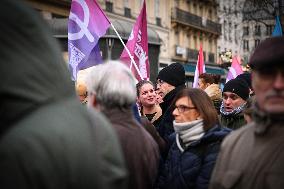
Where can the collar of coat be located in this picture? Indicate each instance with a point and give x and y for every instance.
(265, 120)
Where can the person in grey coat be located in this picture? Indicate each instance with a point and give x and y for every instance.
(252, 157)
(47, 138)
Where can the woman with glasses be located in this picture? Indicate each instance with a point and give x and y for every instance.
(197, 139)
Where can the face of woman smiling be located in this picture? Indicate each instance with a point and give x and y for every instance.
(147, 95)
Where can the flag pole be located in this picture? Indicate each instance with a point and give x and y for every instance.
(131, 57)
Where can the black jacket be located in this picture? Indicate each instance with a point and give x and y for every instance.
(165, 126)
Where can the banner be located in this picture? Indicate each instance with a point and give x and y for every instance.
(87, 23)
(235, 69)
(138, 47)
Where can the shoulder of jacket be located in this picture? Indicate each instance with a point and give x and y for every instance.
(238, 134)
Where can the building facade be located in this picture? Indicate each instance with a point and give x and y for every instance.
(176, 29)
(194, 23)
(231, 18)
(245, 23)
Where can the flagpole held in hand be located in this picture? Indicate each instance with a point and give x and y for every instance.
(131, 57)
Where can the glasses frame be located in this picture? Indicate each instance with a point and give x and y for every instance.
(183, 108)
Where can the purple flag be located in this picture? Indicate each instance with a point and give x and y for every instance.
(87, 23)
(138, 46)
(235, 69)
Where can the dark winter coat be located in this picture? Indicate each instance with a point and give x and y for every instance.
(48, 139)
(253, 156)
(233, 121)
(192, 168)
(153, 132)
(140, 150)
(165, 126)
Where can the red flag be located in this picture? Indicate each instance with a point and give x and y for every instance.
(200, 68)
(138, 46)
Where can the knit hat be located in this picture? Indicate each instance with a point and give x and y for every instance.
(247, 77)
(269, 52)
(174, 74)
(237, 86)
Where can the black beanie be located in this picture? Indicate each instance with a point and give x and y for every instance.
(245, 76)
(237, 86)
(173, 74)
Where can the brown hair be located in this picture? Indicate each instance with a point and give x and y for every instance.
(203, 105)
(207, 78)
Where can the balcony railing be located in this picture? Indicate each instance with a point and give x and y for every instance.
(187, 18)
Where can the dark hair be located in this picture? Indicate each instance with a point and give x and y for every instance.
(207, 78)
(203, 105)
(216, 78)
(140, 84)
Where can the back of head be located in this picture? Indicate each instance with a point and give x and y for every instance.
(113, 85)
(237, 86)
(174, 74)
(246, 77)
(32, 69)
(269, 52)
(207, 78)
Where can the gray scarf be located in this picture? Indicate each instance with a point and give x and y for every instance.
(188, 132)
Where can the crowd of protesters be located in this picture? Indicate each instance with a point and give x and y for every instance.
(130, 134)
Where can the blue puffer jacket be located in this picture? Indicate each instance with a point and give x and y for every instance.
(193, 167)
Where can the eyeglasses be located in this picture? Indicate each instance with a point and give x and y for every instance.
(182, 108)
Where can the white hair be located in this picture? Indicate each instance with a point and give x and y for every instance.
(113, 85)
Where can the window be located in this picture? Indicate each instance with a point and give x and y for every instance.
(210, 14)
(246, 45)
(194, 9)
(246, 31)
(269, 30)
(109, 6)
(127, 12)
(230, 31)
(257, 30)
(177, 37)
(256, 43)
(200, 11)
(158, 21)
(224, 30)
(236, 34)
(195, 42)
